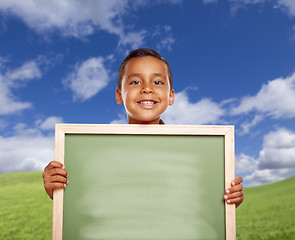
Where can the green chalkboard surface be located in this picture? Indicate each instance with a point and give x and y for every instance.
(144, 187)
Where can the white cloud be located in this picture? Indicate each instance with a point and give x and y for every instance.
(183, 111)
(264, 176)
(248, 1)
(122, 120)
(3, 124)
(276, 98)
(237, 4)
(278, 150)
(16, 78)
(166, 42)
(287, 6)
(27, 150)
(88, 78)
(209, 1)
(245, 163)
(80, 18)
(172, 1)
(74, 18)
(276, 160)
(49, 123)
(3, 61)
(246, 126)
(164, 37)
(28, 70)
(134, 39)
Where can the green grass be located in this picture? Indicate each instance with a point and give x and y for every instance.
(25, 209)
(268, 211)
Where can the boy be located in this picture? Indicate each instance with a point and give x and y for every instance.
(145, 89)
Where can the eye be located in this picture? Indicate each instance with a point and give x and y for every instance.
(135, 82)
(158, 82)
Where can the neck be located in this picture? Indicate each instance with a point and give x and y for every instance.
(132, 121)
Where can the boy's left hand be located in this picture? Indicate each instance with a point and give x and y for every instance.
(234, 194)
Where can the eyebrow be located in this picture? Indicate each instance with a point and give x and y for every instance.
(133, 75)
(159, 75)
(139, 75)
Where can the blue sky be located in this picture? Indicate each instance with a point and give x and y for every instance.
(232, 63)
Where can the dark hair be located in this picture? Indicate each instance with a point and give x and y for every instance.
(142, 52)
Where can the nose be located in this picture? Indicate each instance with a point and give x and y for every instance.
(147, 89)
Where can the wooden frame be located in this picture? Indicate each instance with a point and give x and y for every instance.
(227, 131)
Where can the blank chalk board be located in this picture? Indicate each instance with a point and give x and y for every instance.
(144, 182)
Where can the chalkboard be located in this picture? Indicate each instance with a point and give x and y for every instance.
(144, 182)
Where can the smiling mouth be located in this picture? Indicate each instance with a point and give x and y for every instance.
(147, 104)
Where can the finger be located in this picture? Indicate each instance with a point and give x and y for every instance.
(234, 189)
(56, 171)
(58, 179)
(54, 164)
(237, 181)
(55, 185)
(238, 200)
(234, 195)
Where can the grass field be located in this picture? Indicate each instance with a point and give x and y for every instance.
(268, 211)
(25, 209)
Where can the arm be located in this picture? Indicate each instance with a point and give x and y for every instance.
(235, 194)
(54, 177)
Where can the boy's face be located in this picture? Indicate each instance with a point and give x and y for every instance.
(145, 90)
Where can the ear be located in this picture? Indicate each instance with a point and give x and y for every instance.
(171, 97)
(119, 99)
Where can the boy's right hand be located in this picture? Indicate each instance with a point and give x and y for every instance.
(54, 177)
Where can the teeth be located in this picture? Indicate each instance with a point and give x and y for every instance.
(147, 102)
